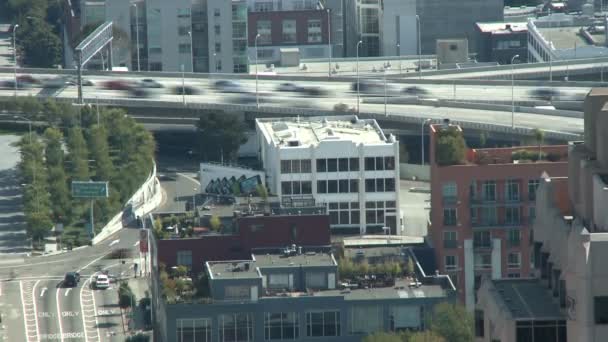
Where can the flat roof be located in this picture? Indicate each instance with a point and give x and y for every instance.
(236, 269)
(401, 290)
(563, 37)
(502, 27)
(527, 299)
(313, 130)
(381, 240)
(311, 259)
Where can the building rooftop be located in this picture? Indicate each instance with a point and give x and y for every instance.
(402, 289)
(294, 132)
(502, 28)
(310, 259)
(564, 37)
(526, 299)
(236, 269)
(381, 240)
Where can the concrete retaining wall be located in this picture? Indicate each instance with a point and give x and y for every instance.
(411, 171)
(147, 198)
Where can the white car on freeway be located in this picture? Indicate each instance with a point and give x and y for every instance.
(102, 281)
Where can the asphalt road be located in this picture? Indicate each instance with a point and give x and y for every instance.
(35, 305)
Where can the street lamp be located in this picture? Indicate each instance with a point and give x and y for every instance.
(513, 91)
(29, 122)
(329, 43)
(422, 137)
(358, 85)
(399, 55)
(137, 34)
(15, 54)
(419, 48)
(257, 100)
(191, 52)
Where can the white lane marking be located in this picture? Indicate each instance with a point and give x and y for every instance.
(43, 291)
(36, 308)
(68, 291)
(193, 180)
(114, 242)
(84, 288)
(59, 314)
(136, 244)
(94, 261)
(26, 326)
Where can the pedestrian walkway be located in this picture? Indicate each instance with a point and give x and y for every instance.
(141, 322)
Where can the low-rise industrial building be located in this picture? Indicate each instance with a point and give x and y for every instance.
(499, 42)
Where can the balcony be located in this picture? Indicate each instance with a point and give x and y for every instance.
(448, 244)
(498, 200)
(482, 244)
(498, 223)
(450, 200)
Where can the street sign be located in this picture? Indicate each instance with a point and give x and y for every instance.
(89, 189)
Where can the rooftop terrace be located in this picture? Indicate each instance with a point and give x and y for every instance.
(311, 259)
(293, 132)
(243, 269)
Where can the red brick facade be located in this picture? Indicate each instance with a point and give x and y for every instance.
(276, 21)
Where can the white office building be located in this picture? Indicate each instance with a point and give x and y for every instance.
(343, 162)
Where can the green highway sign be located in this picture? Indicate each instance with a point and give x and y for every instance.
(90, 189)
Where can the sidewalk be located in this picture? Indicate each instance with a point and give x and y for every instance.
(141, 322)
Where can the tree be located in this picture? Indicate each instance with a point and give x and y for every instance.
(382, 337)
(215, 223)
(410, 267)
(450, 148)
(539, 136)
(78, 156)
(58, 188)
(453, 322)
(262, 191)
(39, 46)
(126, 298)
(426, 336)
(220, 135)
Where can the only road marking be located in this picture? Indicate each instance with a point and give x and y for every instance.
(43, 291)
(114, 242)
(68, 291)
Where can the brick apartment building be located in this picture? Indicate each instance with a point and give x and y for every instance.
(482, 211)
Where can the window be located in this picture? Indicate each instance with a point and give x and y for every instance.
(184, 48)
(281, 326)
(343, 164)
(332, 165)
(193, 330)
(265, 6)
(479, 325)
(489, 190)
(323, 323)
(289, 31)
(512, 215)
(332, 187)
(236, 327)
(184, 258)
(354, 185)
(473, 215)
(285, 166)
(305, 166)
(380, 184)
(450, 239)
(482, 239)
(343, 186)
(322, 187)
(514, 237)
(236, 292)
(514, 260)
(239, 30)
(321, 165)
(513, 275)
(389, 184)
(183, 30)
(374, 212)
(449, 216)
(339, 213)
(365, 319)
(216, 12)
(217, 29)
(263, 29)
(314, 31)
(389, 163)
(473, 190)
(280, 281)
(379, 163)
(286, 188)
(531, 215)
(353, 164)
(370, 185)
(512, 190)
(218, 47)
(451, 263)
(532, 186)
(370, 164)
(601, 309)
(483, 261)
(449, 192)
(306, 187)
(488, 216)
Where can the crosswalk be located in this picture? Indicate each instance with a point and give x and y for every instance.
(30, 318)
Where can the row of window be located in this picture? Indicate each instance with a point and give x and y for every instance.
(488, 216)
(341, 186)
(364, 319)
(380, 185)
(344, 213)
(337, 165)
(488, 190)
(296, 188)
(481, 239)
(289, 31)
